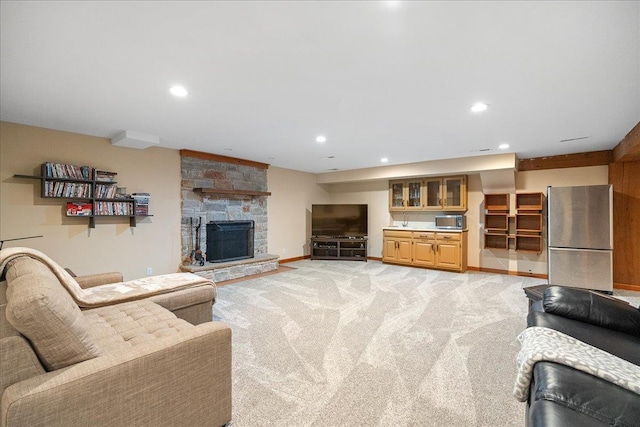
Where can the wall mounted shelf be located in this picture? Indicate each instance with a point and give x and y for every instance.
(79, 185)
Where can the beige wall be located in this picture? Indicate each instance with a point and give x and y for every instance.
(112, 245)
(155, 242)
(289, 211)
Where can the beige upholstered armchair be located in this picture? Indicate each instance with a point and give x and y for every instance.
(129, 363)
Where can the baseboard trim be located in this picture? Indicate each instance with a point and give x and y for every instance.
(626, 286)
(298, 258)
(508, 272)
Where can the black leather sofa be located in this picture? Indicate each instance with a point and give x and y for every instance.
(562, 396)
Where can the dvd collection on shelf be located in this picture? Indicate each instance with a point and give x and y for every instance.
(106, 191)
(72, 190)
(142, 203)
(104, 176)
(102, 208)
(105, 198)
(114, 208)
(64, 171)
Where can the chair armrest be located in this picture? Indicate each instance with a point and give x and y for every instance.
(91, 280)
(18, 361)
(592, 308)
(178, 380)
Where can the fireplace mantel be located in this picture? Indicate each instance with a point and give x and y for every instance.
(206, 190)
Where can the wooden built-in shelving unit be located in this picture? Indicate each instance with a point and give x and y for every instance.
(522, 231)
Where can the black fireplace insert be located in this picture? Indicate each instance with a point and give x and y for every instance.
(229, 240)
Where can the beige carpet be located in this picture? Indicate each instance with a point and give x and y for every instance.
(339, 343)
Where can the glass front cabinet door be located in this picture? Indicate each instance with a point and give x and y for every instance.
(455, 193)
(396, 196)
(414, 195)
(446, 194)
(433, 190)
(405, 195)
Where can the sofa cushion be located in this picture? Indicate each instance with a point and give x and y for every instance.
(122, 326)
(545, 413)
(585, 393)
(593, 308)
(44, 312)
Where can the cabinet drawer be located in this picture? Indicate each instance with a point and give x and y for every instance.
(423, 235)
(393, 233)
(448, 236)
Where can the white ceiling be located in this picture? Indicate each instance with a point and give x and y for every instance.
(266, 77)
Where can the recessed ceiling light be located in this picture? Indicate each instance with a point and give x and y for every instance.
(392, 4)
(503, 146)
(384, 160)
(321, 139)
(479, 107)
(178, 91)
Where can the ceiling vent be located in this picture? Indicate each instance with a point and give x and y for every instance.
(132, 139)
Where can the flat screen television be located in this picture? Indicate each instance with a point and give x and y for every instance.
(339, 220)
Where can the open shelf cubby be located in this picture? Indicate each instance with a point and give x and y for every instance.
(529, 243)
(354, 249)
(530, 222)
(495, 221)
(529, 201)
(496, 241)
(496, 202)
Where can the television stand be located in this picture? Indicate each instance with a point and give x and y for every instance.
(339, 248)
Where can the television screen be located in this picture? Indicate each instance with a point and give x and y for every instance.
(339, 220)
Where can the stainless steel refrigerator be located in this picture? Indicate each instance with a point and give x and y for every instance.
(580, 240)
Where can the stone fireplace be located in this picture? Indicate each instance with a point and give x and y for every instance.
(220, 189)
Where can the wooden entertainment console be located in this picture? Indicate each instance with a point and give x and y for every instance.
(343, 248)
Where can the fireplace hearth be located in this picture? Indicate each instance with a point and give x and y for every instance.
(229, 240)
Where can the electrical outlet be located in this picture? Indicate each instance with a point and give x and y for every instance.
(149, 271)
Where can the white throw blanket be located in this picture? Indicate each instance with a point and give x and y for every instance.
(111, 293)
(544, 344)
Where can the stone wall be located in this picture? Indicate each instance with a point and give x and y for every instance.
(220, 272)
(198, 172)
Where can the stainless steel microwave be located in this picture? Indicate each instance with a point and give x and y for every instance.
(452, 222)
